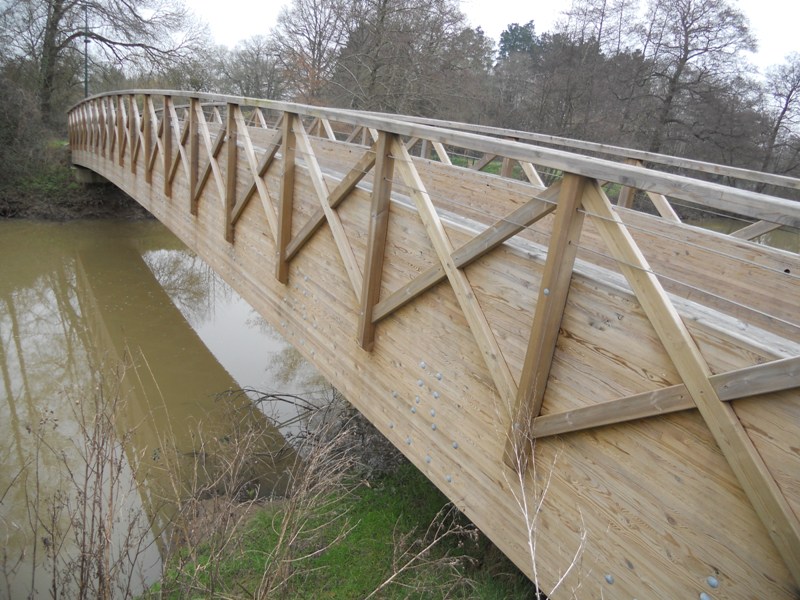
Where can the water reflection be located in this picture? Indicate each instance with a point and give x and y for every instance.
(88, 309)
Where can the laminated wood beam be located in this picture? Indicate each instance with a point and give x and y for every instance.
(770, 377)
(133, 130)
(283, 231)
(754, 230)
(483, 243)
(552, 299)
(757, 482)
(166, 154)
(334, 222)
(232, 155)
(257, 171)
(147, 134)
(176, 126)
(328, 129)
(442, 153)
(487, 158)
(376, 244)
(120, 133)
(212, 151)
(263, 166)
(479, 326)
(531, 173)
(194, 154)
(337, 196)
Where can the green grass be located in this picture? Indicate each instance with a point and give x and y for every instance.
(386, 516)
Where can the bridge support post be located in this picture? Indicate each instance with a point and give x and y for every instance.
(166, 126)
(550, 305)
(284, 233)
(230, 174)
(376, 244)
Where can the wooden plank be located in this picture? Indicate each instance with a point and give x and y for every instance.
(663, 207)
(232, 156)
(481, 164)
(321, 188)
(194, 154)
(328, 129)
(763, 492)
(553, 292)
(283, 230)
(531, 173)
(120, 137)
(480, 245)
(760, 379)
(442, 153)
(263, 167)
(257, 173)
(376, 244)
(219, 142)
(755, 230)
(479, 326)
(147, 130)
(133, 130)
(211, 152)
(181, 153)
(166, 155)
(337, 196)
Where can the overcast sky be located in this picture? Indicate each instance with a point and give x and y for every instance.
(774, 22)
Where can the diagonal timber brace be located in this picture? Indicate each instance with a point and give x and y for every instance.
(757, 482)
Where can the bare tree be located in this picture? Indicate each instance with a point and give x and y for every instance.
(253, 68)
(689, 43)
(309, 35)
(783, 90)
(51, 35)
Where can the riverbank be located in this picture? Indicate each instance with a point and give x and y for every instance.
(50, 191)
(362, 522)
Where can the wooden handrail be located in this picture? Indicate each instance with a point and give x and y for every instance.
(710, 195)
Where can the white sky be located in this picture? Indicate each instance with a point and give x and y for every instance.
(774, 22)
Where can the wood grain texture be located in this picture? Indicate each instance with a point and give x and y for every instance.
(634, 495)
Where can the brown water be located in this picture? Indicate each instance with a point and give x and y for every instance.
(117, 310)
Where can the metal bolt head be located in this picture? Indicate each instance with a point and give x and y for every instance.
(712, 582)
(455, 445)
(609, 579)
(433, 426)
(422, 365)
(413, 410)
(546, 292)
(420, 383)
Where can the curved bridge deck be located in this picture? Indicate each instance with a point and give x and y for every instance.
(611, 396)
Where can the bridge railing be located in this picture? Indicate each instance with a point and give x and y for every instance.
(223, 145)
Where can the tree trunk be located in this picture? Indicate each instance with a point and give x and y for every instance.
(47, 62)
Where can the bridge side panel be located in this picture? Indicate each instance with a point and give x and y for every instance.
(647, 509)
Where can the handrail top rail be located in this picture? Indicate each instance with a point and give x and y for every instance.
(712, 195)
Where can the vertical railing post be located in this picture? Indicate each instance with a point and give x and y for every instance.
(285, 203)
(133, 125)
(194, 141)
(376, 244)
(232, 165)
(166, 127)
(121, 130)
(105, 116)
(552, 300)
(147, 137)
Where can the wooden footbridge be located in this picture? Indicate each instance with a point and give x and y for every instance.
(610, 395)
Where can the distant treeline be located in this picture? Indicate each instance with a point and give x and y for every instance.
(668, 76)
